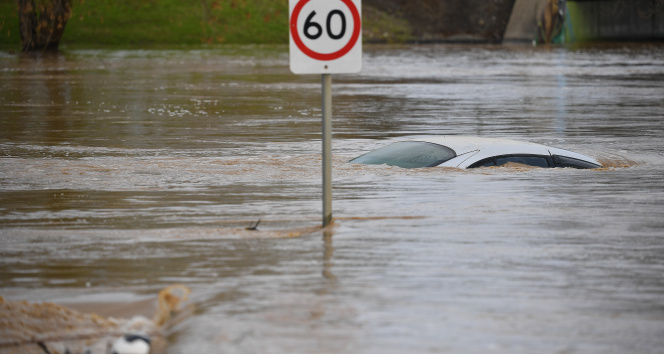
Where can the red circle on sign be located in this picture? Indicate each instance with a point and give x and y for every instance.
(322, 56)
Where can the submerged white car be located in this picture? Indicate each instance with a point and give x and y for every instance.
(471, 152)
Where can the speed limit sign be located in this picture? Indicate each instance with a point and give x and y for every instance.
(325, 36)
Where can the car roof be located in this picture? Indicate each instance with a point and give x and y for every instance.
(465, 144)
(479, 148)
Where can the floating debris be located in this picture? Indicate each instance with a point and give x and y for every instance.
(131, 344)
(254, 227)
(49, 328)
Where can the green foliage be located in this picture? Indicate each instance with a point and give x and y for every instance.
(10, 36)
(162, 22)
(149, 22)
(246, 21)
(95, 23)
(132, 22)
(380, 27)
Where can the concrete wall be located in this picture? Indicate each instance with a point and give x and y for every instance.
(517, 20)
(522, 26)
(450, 20)
(615, 20)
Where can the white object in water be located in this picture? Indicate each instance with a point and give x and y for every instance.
(131, 344)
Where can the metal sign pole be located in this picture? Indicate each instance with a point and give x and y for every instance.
(327, 148)
(318, 45)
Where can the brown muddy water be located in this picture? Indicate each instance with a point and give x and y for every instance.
(125, 171)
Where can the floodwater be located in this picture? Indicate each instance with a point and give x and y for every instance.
(125, 171)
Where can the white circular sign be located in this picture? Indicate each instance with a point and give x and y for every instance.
(325, 36)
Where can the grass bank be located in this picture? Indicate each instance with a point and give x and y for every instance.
(132, 23)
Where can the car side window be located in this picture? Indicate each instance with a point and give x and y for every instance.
(528, 160)
(564, 161)
(536, 161)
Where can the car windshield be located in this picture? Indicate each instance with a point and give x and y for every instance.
(408, 154)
